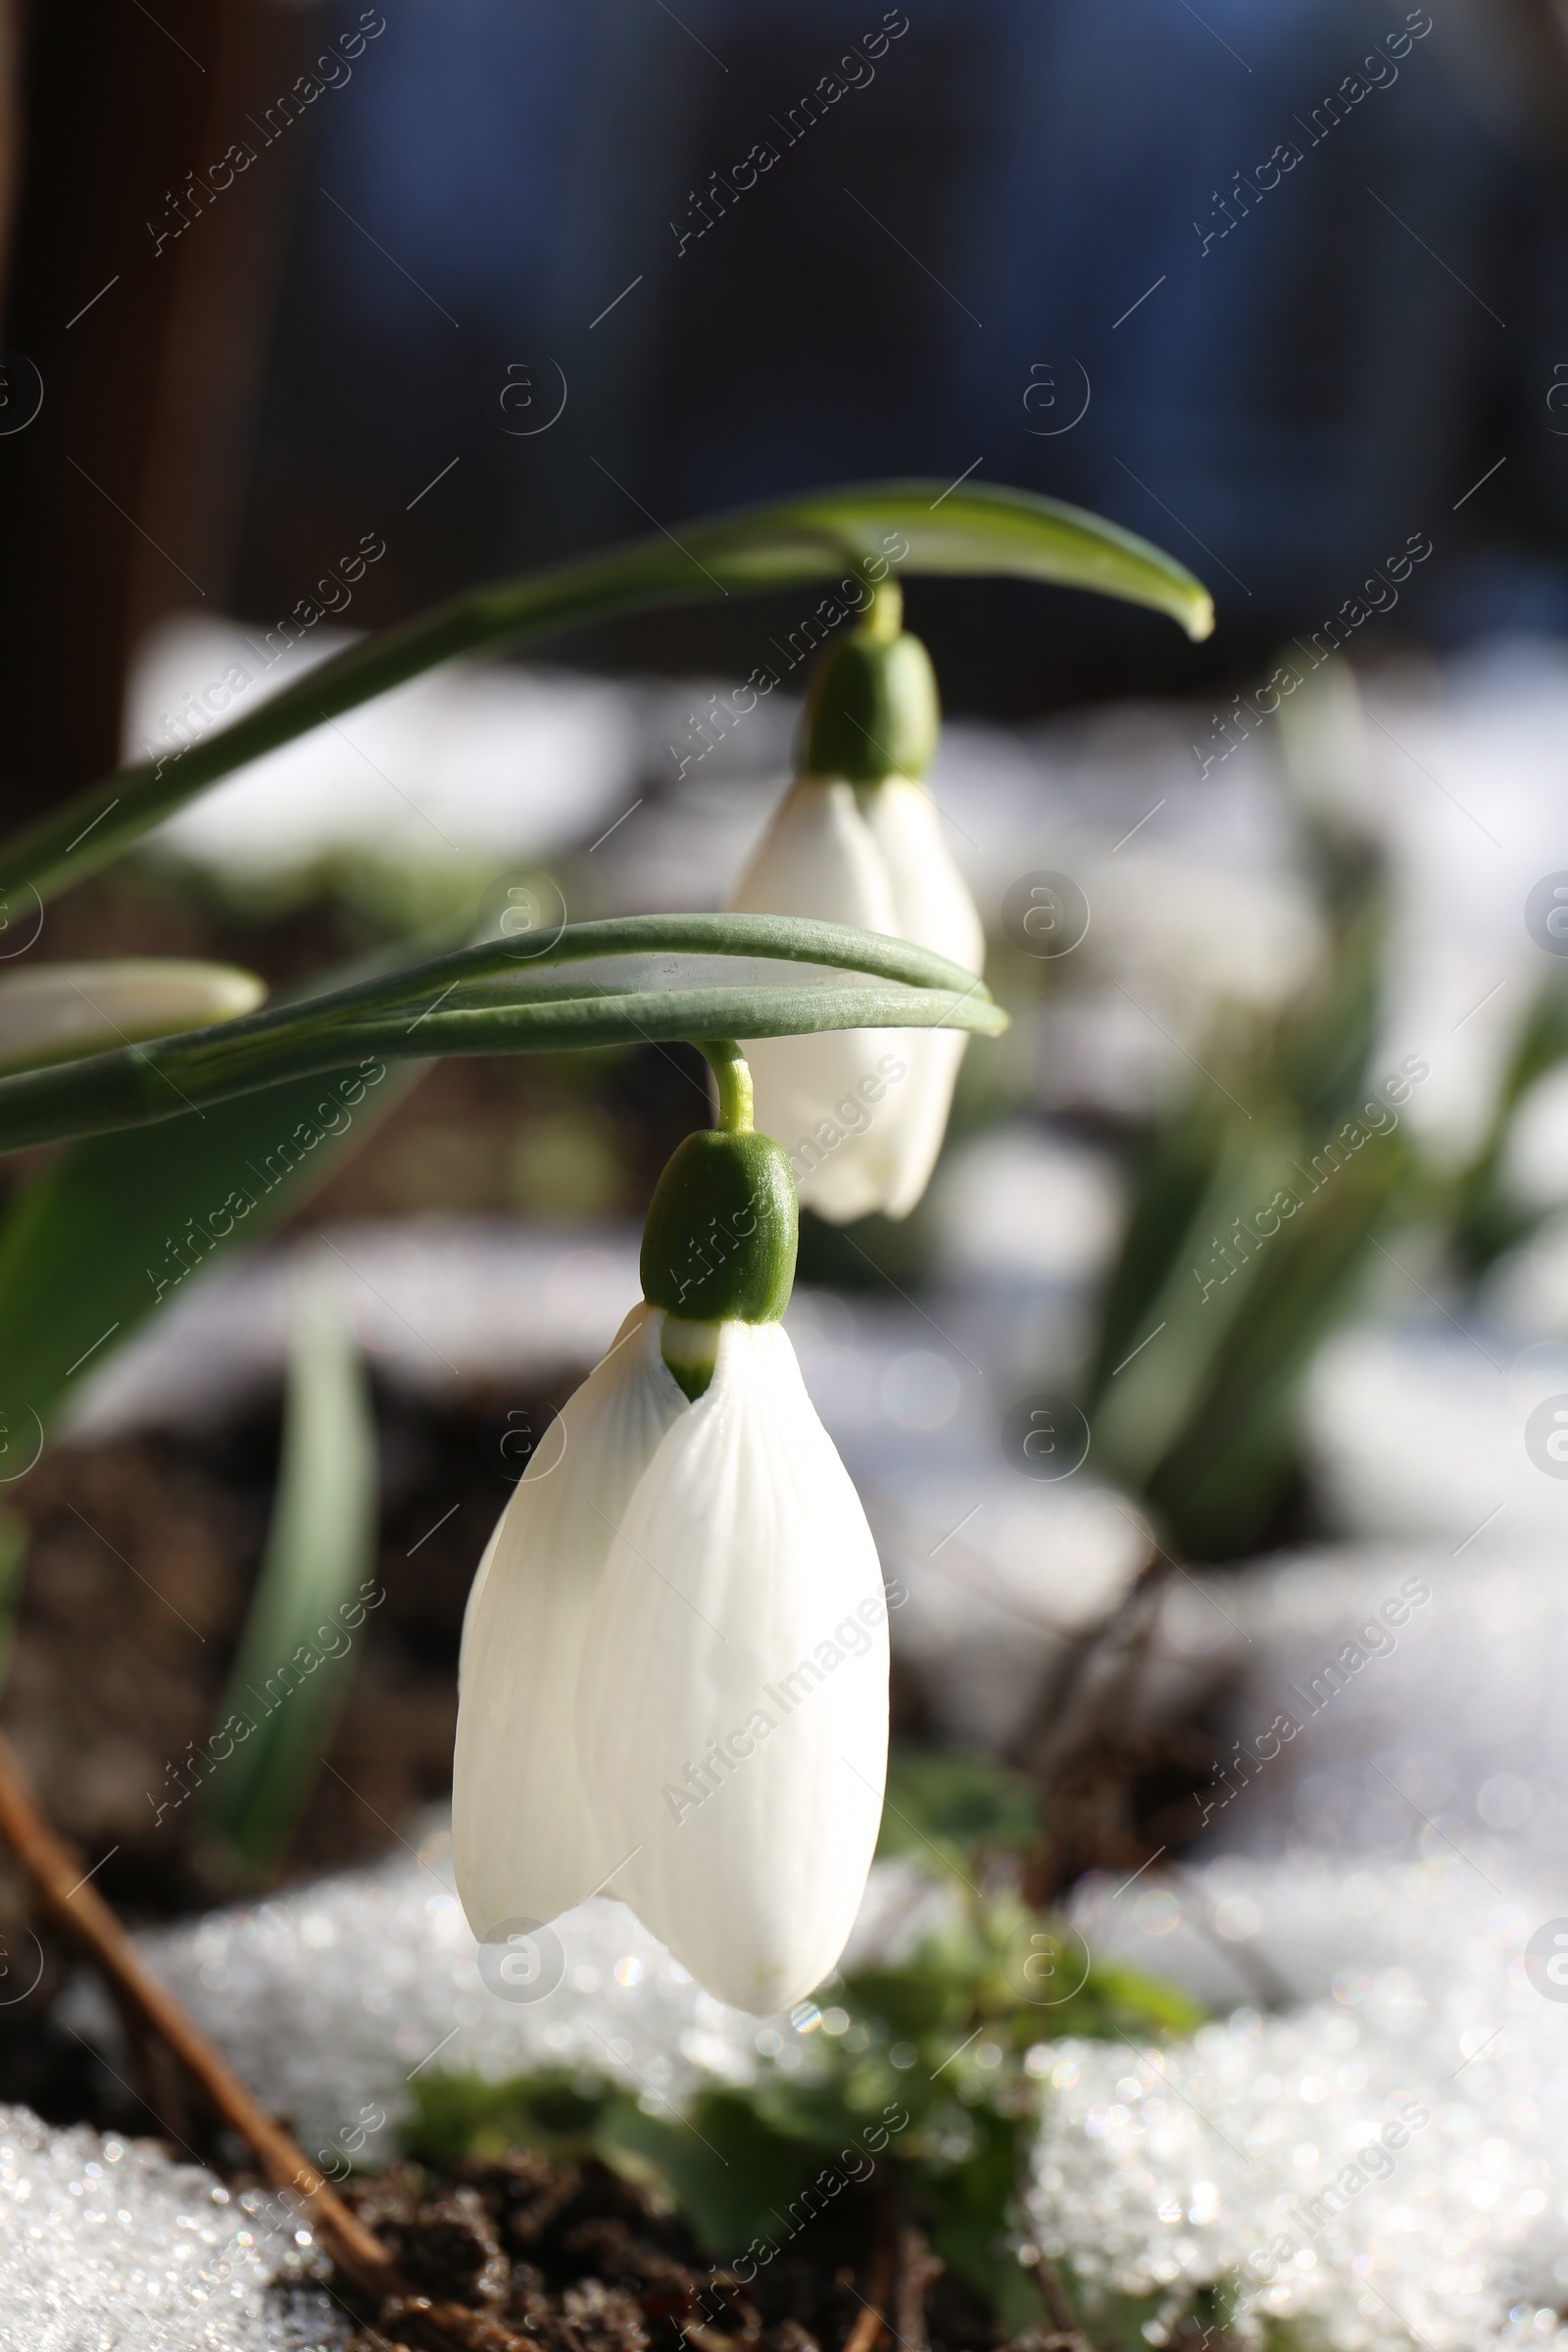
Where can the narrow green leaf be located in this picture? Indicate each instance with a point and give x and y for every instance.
(112, 1229)
(423, 1013)
(919, 526)
(291, 1673)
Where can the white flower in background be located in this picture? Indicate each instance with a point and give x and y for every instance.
(674, 1676)
(60, 1011)
(861, 1112)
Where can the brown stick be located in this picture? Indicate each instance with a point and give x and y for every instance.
(57, 1876)
(916, 2268)
(1062, 2321)
(871, 2318)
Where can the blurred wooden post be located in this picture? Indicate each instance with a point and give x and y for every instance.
(122, 500)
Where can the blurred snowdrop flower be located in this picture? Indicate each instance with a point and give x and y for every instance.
(60, 1011)
(1533, 1161)
(857, 840)
(1200, 932)
(674, 1683)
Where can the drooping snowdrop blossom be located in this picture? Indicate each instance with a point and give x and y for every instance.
(59, 1011)
(673, 1682)
(861, 1112)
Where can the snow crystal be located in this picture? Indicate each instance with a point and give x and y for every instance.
(106, 2246)
(1382, 2163)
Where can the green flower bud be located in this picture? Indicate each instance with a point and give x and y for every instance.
(870, 706)
(719, 1242)
(871, 709)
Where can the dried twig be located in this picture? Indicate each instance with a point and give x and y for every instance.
(1081, 1706)
(1066, 2336)
(872, 2320)
(917, 2267)
(79, 1910)
(1082, 1693)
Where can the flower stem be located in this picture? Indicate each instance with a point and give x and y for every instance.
(733, 1078)
(883, 618)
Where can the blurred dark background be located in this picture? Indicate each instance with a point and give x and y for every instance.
(1000, 211)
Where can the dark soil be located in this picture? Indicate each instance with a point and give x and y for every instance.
(524, 2251)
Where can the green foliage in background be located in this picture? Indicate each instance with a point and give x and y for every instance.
(1255, 1211)
(1267, 1201)
(1487, 1219)
(15, 1538)
(291, 1673)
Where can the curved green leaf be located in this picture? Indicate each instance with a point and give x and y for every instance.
(423, 1013)
(143, 1086)
(502, 965)
(916, 526)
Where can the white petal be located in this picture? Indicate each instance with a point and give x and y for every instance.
(861, 1112)
(933, 907)
(817, 860)
(523, 1840)
(931, 901)
(59, 1010)
(740, 1604)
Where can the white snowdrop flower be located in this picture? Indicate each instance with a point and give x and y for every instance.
(861, 1112)
(524, 1843)
(60, 1011)
(732, 1701)
(674, 1671)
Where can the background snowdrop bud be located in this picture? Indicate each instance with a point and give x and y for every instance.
(733, 1708)
(861, 1112)
(524, 1843)
(59, 1011)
